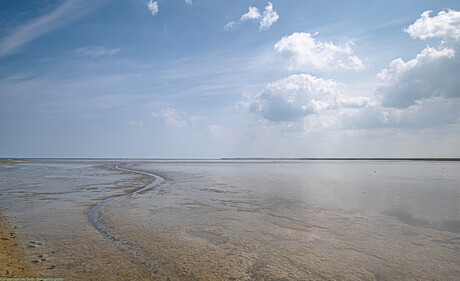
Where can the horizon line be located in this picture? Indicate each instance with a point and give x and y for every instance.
(243, 158)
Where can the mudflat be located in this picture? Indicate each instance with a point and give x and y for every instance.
(232, 220)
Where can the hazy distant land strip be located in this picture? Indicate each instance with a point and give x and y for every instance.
(18, 160)
(15, 160)
(358, 158)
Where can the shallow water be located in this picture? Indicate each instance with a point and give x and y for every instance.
(242, 220)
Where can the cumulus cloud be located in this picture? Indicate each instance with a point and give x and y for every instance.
(422, 92)
(297, 96)
(427, 114)
(269, 17)
(418, 94)
(253, 13)
(153, 7)
(303, 52)
(433, 73)
(96, 51)
(315, 104)
(175, 118)
(443, 25)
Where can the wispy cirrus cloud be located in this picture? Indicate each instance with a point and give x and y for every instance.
(66, 13)
(96, 51)
(230, 25)
(188, 2)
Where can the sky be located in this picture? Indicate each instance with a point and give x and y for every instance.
(216, 78)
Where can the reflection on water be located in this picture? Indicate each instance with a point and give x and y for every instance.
(414, 220)
(298, 220)
(259, 220)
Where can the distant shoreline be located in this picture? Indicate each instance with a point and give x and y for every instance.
(358, 159)
(17, 160)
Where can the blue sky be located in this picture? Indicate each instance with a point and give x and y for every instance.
(175, 78)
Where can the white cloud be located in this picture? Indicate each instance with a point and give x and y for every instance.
(309, 104)
(96, 51)
(253, 13)
(172, 117)
(443, 25)
(433, 73)
(418, 94)
(269, 18)
(136, 123)
(303, 52)
(188, 2)
(229, 25)
(69, 11)
(153, 7)
(297, 96)
(427, 114)
(175, 118)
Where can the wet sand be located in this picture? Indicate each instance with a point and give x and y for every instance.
(234, 221)
(13, 262)
(52, 225)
